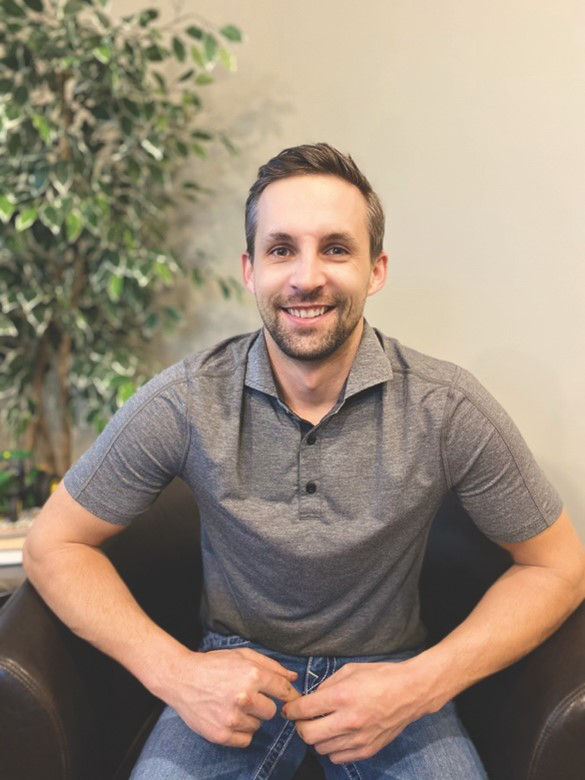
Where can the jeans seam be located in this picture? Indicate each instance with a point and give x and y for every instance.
(274, 752)
(352, 771)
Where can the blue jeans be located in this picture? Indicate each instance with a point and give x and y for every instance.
(436, 747)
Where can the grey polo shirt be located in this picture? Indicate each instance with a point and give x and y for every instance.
(313, 536)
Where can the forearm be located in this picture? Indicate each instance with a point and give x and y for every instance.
(521, 609)
(84, 590)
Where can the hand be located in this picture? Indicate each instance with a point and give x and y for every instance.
(359, 709)
(224, 694)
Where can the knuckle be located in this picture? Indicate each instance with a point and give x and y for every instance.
(231, 720)
(243, 740)
(224, 736)
(254, 675)
(243, 699)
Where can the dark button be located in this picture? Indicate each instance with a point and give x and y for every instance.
(310, 487)
(311, 438)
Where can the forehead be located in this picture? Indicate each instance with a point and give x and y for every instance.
(312, 204)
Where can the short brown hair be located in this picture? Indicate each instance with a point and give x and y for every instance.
(315, 159)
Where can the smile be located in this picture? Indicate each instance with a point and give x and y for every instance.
(309, 312)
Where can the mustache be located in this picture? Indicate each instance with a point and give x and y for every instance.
(304, 299)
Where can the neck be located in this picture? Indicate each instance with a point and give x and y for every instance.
(310, 388)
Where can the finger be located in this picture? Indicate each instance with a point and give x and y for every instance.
(315, 732)
(256, 704)
(241, 721)
(343, 742)
(269, 663)
(322, 702)
(276, 686)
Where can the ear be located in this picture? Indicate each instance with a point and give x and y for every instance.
(248, 272)
(378, 273)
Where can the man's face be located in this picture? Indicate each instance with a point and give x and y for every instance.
(312, 271)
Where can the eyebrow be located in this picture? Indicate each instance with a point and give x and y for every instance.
(341, 236)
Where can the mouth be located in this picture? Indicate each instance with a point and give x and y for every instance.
(307, 314)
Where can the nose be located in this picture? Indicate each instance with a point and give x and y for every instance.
(307, 272)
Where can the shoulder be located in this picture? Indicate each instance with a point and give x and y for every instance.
(222, 359)
(412, 364)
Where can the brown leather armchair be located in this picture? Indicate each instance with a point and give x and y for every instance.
(67, 712)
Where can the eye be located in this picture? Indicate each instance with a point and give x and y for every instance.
(280, 251)
(336, 250)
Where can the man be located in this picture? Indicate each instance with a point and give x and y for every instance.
(318, 451)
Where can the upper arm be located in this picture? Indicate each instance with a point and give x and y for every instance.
(558, 548)
(64, 521)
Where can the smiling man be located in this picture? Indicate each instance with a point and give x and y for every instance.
(318, 450)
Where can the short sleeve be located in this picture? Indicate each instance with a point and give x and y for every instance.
(138, 453)
(490, 467)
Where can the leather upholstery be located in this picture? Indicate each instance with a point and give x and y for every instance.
(67, 712)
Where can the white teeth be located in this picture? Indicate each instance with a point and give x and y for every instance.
(308, 312)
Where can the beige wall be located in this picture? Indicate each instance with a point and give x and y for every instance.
(469, 119)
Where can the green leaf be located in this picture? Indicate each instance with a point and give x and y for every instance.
(172, 313)
(197, 277)
(160, 80)
(73, 225)
(6, 208)
(194, 32)
(227, 59)
(25, 219)
(51, 218)
(127, 125)
(187, 74)
(115, 287)
(103, 54)
(7, 327)
(197, 57)
(224, 287)
(202, 134)
(61, 170)
(11, 8)
(179, 49)
(203, 79)
(163, 271)
(147, 16)
(132, 107)
(20, 95)
(182, 148)
(12, 111)
(232, 33)
(125, 391)
(42, 126)
(35, 5)
(40, 178)
(210, 47)
(5, 86)
(154, 53)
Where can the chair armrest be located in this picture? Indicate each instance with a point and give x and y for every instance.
(67, 711)
(54, 690)
(528, 721)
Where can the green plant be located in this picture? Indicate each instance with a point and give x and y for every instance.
(98, 119)
(22, 485)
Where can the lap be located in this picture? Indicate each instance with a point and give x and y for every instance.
(432, 748)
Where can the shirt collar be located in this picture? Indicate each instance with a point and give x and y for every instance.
(370, 367)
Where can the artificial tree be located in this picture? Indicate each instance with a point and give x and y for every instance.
(98, 118)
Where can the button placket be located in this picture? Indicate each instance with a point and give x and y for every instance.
(310, 476)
